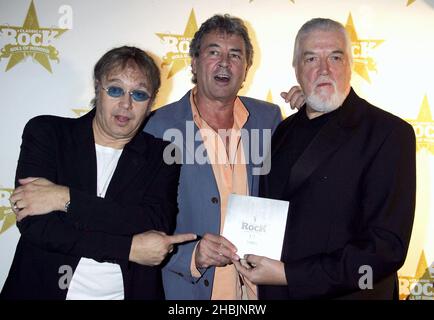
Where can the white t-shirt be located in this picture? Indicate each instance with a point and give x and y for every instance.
(94, 280)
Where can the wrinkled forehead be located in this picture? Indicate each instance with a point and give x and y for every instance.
(217, 36)
(129, 70)
(323, 40)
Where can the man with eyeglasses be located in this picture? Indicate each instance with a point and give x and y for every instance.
(217, 161)
(94, 198)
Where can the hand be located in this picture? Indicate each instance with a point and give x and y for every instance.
(294, 96)
(151, 247)
(214, 250)
(262, 270)
(38, 196)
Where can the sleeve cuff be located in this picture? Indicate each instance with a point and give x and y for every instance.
(193, 269)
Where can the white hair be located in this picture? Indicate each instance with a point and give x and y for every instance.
(322, 24)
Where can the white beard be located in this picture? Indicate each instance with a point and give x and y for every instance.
(322, 103)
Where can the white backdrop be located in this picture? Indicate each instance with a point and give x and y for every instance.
(44, 74)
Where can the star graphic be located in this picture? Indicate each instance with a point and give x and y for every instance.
(80, 112)
(409, 2)
(423, 126)
(363, 62)
(31, 27)
(422, 276)
(285, 109)
(7, 216)
(269, 97)
(180, 43)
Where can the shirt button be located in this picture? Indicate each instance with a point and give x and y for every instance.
(206, 283)
(214, 200)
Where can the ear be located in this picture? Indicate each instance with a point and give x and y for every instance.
(193, 65)
(297, 74)
(247, 71)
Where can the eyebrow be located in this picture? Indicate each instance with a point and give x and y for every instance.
(306, 53)
(212, 45)
(215, 45)
(338, 51)
(141, 84)
(236, 50)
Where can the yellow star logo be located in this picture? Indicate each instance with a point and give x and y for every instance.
(409, 2)
(80, 112)
(363, 62)
(420, 286)
(269, 97)
(179, 45)
(424, 127)
(7, 216)
(285, 109)
(30, 40)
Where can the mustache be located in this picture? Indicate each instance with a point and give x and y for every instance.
(324, 79)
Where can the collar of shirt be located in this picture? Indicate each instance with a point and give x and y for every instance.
(240, 113)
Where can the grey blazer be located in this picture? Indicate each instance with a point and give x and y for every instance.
(198, 195)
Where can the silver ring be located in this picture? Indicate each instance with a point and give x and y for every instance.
(15, 207)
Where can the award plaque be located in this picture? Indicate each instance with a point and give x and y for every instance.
(256, 225)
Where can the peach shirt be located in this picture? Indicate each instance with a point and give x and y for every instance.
(231, 177)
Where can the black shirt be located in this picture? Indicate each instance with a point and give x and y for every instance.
(302, 132)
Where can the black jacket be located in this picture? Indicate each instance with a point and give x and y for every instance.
(352, 200)
(141, 196)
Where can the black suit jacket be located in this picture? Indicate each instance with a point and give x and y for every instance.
(141, 196)
(352, 200)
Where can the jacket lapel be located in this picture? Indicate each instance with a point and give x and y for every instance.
(274, 184)
(247, 147)
(194, 151)
(328, 140)
(83, 155)
(134, 157)
(325, 143)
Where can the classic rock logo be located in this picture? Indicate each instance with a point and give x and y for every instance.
(7, 216)
(421, 286)
(424, 128)
(29, 40)
(363, 62)
(80, 112)
(178, 47)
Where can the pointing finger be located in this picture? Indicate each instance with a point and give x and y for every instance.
(181, 237)
(27, 180)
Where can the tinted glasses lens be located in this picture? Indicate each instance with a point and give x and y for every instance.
(115, 92)
(139, 95)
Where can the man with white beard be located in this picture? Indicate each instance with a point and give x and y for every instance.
(348, 170)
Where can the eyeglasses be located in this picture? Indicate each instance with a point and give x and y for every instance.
(117, 92)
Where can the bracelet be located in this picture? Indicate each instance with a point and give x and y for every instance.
(67, 206)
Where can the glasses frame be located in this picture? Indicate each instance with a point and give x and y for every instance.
(130, 93)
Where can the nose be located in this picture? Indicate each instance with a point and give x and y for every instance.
(224, 61)
(126, 101)
(324, 67)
